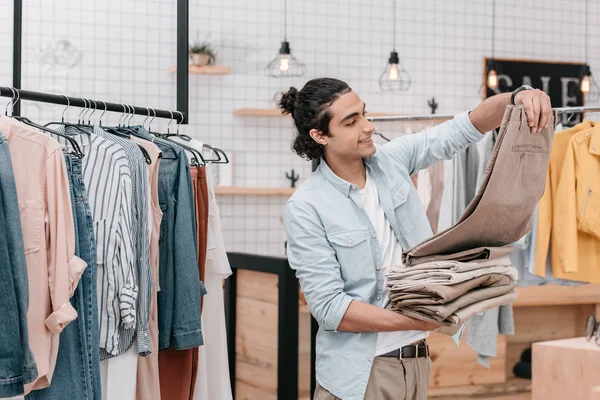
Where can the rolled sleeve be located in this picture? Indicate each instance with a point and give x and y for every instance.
(59, 319)
(440, 142)
(316, 266)
(76, 268)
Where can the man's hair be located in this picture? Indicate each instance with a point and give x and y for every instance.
(309, 108)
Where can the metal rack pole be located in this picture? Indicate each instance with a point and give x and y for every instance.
(17, 44)
(80, 102)
(429, 117)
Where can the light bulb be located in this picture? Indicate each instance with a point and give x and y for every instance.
(492, 80)
(585, 84)
(393, 72)
(284, 63)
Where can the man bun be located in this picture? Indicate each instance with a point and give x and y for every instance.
(288, 100)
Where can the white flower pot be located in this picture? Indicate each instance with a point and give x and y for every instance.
(200, 59)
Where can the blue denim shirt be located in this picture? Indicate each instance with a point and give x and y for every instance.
(333, 247)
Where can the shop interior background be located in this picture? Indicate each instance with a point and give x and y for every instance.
(120, 51)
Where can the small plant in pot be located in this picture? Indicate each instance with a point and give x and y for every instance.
(202, 54)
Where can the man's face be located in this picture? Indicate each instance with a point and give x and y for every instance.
(350, 132)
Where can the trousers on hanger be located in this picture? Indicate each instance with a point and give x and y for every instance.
(500, 213)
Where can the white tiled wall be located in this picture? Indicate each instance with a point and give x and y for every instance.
(129, 45)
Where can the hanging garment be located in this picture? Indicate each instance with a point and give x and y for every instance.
(148, 378)
(23, 369)
(53, 270)
(18, 367)
(213, 382)
(576, 214)
(502, 220)
(181, 366)
(180, 285)
(492, 218)
(431, 189)
(77, 372)
(547, 231)
(119, 376)
(109, 195)
(142, 271)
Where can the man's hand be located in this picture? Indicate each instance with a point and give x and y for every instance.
(426, 326)
(537, 107)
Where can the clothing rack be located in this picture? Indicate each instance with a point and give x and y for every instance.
(429, 117)
(20, 94)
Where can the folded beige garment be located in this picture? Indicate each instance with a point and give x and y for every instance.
(462, 315)
(447, 278)
(424, 294)
(479, 253)
(442, 311)
(448, 266)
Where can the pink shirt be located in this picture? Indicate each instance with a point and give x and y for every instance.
(53, 270)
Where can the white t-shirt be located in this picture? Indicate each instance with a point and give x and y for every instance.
(391, 254)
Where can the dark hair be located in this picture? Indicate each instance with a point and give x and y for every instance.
(310, 110)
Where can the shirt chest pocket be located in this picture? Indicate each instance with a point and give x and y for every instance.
(401, 206)
(353, 252)
(32, 219)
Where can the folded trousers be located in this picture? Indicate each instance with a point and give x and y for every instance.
(425, 294)
(442, 311)
(514, 182)
(463, 314)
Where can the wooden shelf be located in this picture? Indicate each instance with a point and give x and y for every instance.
(205, 70)
(250, 191)
(553, 295)
(258, 112)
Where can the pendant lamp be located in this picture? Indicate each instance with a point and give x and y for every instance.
(285, 64)
(491, 71)
(588, 84)
(394, 77)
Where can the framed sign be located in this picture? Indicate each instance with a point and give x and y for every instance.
(559, 80)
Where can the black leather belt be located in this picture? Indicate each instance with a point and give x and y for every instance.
(415, 350)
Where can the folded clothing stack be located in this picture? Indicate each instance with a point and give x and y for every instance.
(465, 269)
(448, 292)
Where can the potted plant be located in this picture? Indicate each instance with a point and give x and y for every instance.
(202, 54)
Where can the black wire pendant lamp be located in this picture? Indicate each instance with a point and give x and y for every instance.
(394, 77)
(491, 70)
(285, 64)
(588, 84)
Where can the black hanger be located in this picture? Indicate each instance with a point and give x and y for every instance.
(126, 132)
(67, 124)
(197, 160)
(134, 132)
(218, 152)
(76, 149)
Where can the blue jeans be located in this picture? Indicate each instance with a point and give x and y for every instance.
(77, 372)
(17, 365)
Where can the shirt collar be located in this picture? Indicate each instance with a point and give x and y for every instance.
(340, 184)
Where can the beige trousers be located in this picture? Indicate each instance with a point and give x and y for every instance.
(392, 379)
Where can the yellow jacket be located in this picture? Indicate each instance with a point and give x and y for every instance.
(569, 211)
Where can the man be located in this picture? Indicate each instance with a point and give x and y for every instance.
(351, 220)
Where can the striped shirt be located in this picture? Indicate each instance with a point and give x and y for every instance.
(141, 233)
(107, 177)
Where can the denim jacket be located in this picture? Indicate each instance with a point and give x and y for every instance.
(334, 250)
